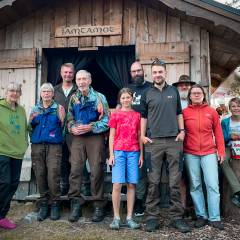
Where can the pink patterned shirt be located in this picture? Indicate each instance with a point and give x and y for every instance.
(127, 125)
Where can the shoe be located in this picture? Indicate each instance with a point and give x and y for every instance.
(139, 209)
(76, 211)
(181, 225)
(152, 225)
(98, 215)
(43, 211)
(55, 211)
(115, 225)
(236, 200)
(132, 224)
(7, 224)
(200, 222)
(216, 224)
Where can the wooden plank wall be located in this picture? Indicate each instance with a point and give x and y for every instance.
(140, 24)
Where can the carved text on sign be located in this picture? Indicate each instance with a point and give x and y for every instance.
(75, 31)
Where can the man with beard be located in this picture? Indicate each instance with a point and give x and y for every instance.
(162, 113)
(183, 85)
(63, 93)
(139, 87)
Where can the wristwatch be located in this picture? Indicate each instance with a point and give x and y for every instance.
(181, 130)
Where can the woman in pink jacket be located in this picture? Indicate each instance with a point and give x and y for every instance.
(203, 148)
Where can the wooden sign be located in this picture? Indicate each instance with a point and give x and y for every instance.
(80, 31)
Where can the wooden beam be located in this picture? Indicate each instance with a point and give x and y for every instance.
(17, 58)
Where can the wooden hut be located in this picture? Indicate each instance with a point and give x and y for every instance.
(200, 38)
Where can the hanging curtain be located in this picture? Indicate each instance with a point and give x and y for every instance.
(116, 65)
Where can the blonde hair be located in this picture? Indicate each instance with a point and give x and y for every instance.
(14, 86)
(70, 65)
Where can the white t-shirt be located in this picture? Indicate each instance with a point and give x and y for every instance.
(67, 91)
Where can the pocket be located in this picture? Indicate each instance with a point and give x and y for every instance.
(147, 160)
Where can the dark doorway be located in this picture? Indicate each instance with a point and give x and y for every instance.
(109, 67)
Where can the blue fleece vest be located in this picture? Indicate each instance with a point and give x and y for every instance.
(47, 127)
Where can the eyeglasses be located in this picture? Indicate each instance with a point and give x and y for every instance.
(158, 62)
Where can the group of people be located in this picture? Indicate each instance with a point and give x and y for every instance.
(152, 123)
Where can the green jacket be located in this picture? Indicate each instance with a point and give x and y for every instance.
(13, 131)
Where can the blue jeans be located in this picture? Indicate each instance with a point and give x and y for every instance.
(209, 166)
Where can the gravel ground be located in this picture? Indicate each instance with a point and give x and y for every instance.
(30, 229)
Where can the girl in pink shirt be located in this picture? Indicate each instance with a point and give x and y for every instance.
(125, 155)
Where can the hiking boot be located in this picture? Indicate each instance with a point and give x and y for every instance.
(98, 215)
(55, 211)
(132, 224)
(152, 225)
(43, 211)
(200, 222)
(180, 225)
(236, 200)
(139, 209)
(115, 224)
(7, 224)
(76, 211)
(216, 224)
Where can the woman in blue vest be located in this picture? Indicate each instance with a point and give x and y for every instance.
(46, 122)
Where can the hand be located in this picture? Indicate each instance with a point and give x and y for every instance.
(221, 159)
(111, 160)
(146, 140)
(81, 129)
(140, 161)
(180, 136)
(235, 136)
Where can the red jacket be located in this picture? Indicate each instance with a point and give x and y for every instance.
(203, 131)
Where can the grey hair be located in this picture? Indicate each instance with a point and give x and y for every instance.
(47, 86)
(14, 86)
(84, 72)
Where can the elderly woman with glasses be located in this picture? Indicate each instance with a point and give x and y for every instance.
(46, 123)
(13, 144)
(203, 148)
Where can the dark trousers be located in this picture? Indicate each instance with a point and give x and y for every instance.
(46, 160)
(159, 149)
(66, 166)
(91, 148)
(10, 170)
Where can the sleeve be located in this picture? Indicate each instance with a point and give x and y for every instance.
(102, 125)
(61, 114)
(144, 107)
(70, 117)
(34, 117)
(217, 130)
(179, 107)
(225, 129)
(112, 121)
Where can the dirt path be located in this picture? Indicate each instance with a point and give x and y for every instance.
(85, 229)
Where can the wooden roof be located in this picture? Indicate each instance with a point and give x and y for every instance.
(222, 22)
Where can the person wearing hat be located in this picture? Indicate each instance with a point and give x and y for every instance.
(183, 85)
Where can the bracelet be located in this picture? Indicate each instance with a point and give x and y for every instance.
(182, 130)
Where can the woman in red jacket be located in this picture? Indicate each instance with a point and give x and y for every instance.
(203, 148)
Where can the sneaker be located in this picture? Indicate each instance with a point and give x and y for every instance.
(132, 224)
(7, 224)
(236, 200)
(180, 225)
(152, 225)
(115, 225)
(139, 209)
(216, 224)
(200, 222)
